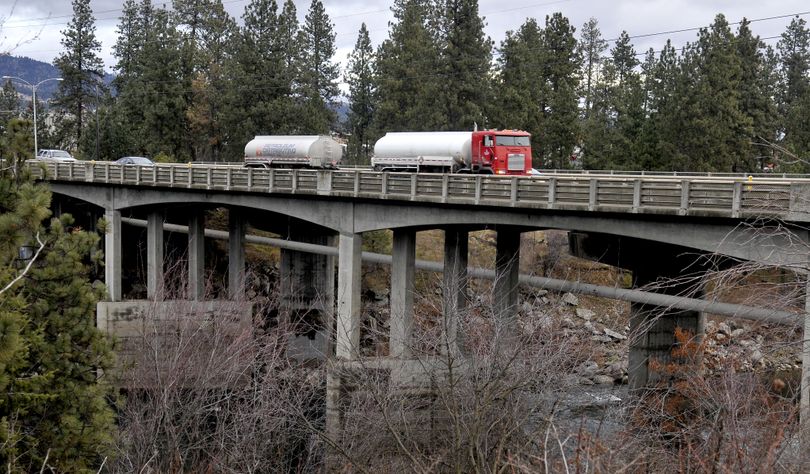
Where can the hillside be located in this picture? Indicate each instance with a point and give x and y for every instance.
(34, 71)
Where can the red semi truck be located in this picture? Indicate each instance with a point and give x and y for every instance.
(501, 152)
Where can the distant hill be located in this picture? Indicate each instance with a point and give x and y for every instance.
(33, 71)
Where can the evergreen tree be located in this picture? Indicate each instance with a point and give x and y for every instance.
(560, 73)
(408, 85)
(794, 57)
(521, 88)
(591, 48)
(9, 104)
(53, 405)
(360, 77)
(757, 90)
(465, 58)
(81, 69)
(318, 75)
(714, 131)
(129, 42)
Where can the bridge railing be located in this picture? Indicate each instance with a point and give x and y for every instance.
(696, 195)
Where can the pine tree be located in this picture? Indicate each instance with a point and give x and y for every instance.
(465, 59)
(407, 81)
(129, 42)
(591, 48)
(52, 405)
(9, 104)
(81, 69)
(520, 86)
(560, 73)
(757, 90)
(318, 75)
(360, 77)
(794, 57)
(714, 131)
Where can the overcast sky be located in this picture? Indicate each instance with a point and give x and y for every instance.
(37, 24)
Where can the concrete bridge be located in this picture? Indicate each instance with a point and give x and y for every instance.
(652, 225)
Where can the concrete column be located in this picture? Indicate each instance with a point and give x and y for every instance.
(196, 255)
(652, 330)
(154, 254)
(348, 317)
(403, 267)
(507, 271)
(236, 255)
(307, 286)
(454, 290)
(112, 255)
(804, 399)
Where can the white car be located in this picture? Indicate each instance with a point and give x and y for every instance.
(54, 155)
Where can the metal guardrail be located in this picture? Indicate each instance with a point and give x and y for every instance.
(649, 194)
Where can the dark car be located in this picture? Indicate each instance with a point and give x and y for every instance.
(135, 160)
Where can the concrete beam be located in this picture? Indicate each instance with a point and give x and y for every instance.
(112, 255)
(154, 254)
(454, 286)
(349, 304)
(196, 255)
(236, 255)
(403, 269)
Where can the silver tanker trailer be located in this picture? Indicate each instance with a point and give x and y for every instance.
(296, 151)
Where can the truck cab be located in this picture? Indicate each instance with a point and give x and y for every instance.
(501, 152)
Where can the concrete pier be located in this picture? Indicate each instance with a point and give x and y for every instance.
(350, 247)
(507, 273)
(112, 254)
(403, 269)
(236, 255)
(454, 287)
(196, 255)
(154, 254)
(307, 286)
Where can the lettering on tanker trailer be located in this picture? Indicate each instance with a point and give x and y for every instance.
(283, 150)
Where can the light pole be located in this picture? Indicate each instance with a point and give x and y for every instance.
(33, 101)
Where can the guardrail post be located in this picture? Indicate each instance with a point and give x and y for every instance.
(324, 182)
(414, 177)
(636, 196)
(250, 178)
(356, 183)
(513, 194)
(736, 201)
(90, 172)
(478, 189)
(294, 181)
(384, 185)
(271, 176)
(55, 171)
(445, 187)
(70, 171)
(684, 198)
(190, 175)
(208, 178)
(552, 192)
(171, 176)
(229, 179)
(593, 193)
(137, 175)
(107, 172)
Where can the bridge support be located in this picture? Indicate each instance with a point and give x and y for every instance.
(454, 290)
(196, 255)
(403, 269)
(348, 293)
(507, 272)
(112, 254)
(307, 284)
(236, 255)
(154, 254)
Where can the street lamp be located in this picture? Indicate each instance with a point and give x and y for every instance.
(34, 101)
